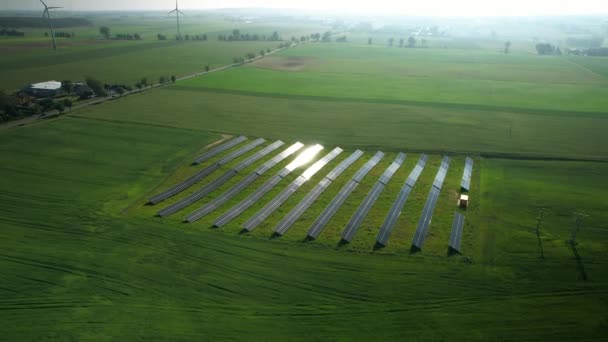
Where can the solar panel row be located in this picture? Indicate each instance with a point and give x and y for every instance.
(443, 170)
(226, 196)
(213, 185)
(429, 206)
(465, 184)
(355, 222)
(276, 202)
(214, 152)
(174, 190)
(317, 227)
(289, 219)
(456, 234)
(393, 214)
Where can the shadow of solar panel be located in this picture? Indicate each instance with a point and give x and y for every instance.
(217, 150)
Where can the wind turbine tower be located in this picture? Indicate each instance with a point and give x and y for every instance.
(47, 14)
(177, 13)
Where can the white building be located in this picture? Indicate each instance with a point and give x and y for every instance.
(43, 89)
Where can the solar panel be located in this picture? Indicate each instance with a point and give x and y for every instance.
(177, 188)
(258, 155)
(368, 167)
(388, 173)
(425, 219)
(337, 171)
(276, 202)
(204, 191)
(443, 170)
(279, 158)
(227, 159)
(248, 202)
(317, 227)
(456, 234)
(355, 222)
(212, 153)
(393, 214)
(289, 219)
(221, 199)
(174, 190)
(465, 184)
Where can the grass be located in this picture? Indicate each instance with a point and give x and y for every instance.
(367, 124)
(425, 75)
(84, 260)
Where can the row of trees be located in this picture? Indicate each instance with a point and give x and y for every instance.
(249, 56)
(547, 49)
(238, 36)
(106, 33)
(11, 33)
(411, 42)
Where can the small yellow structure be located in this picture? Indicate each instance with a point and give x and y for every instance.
(463, 202)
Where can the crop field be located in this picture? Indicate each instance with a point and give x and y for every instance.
(83, 257)
(31, 59)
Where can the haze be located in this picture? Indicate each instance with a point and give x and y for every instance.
(430, 7)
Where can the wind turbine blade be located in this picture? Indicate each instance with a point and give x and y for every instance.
(53, 7)
(43, 3)
(180, 12)
(45, 12)
(172, 11)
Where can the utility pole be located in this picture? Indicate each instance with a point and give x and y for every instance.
(576, 227)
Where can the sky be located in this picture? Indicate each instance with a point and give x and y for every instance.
(403, 7)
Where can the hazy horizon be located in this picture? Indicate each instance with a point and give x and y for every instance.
(427, 8)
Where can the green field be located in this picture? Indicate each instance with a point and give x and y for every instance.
(31, 59)
(83, 257)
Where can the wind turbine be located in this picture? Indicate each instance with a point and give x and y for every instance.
(48, 19)
(177, 13)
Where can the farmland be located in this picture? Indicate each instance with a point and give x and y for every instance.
(84, 258)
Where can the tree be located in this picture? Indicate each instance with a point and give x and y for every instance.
(46, 104)
(390, 41)
(138, 85)
(207, 68)
(173, 78)
(236, 34)
(251, 55)
(137, 36)
(268, 50)
(401, 42)
(144, 82)
(161, 37)
(120, 91)
(545, 49)
(507, 46)
(105, 31)
(162, 79)
(58, 106)
(326, 37)
(204, 36)
(369, 41)
(96, 86)
(262, 52)
(68, 103)
(67, 86)
(411, 42)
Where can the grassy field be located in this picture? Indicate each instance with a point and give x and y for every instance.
(85, 260)
(30, 59)
(83, 257)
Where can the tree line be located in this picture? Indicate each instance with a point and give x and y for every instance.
(38, 22)
(11, 33)
(238, 36)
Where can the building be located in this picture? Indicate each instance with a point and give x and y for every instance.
(43, 89)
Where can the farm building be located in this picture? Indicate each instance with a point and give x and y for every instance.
(43, 89)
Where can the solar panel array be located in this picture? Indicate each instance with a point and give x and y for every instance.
(174, 190)
(465, 184)
(355, 222)
(213, 185)
(456, 234)
(240, 186)
(254, 197)
(393, 214)
(276, 202)
(214, 152)
(429, 206)
(317, 227)
(289, 219)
